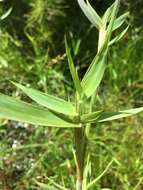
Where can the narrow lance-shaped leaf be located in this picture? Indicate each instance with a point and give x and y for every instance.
(94, 75)
(92, 183)
(5, 15)
(48, 101)
(73, 71)
(91, 117)
(96, 17)
(119, 37)
(109, 116)
(92, 16)
(13, 109)
(45, 186)
(113, 17)
(107, 15)
(96, 70)
(119, 21)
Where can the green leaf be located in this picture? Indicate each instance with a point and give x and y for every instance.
(95, 15)
(45, 187)
(73, 70)
(119, 37)
(94, 74)
(5, 15)
(96, 70)
(92, 183)
(86, 172)
(107, 15)
(48, 101)
(17, 110)
(120, 20)
(57, 185)
(91, 117)
(112, 20)
(109, 116)
(90, 13)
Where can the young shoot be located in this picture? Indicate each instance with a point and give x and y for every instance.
(51, 111)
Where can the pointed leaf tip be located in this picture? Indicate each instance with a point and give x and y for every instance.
(109, 116)
(51, 102)
(17, 110)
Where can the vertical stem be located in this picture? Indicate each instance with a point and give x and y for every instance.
(80, 156)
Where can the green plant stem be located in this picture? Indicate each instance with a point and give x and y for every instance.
(80, 149)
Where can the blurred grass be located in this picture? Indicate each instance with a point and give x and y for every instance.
(32, 52)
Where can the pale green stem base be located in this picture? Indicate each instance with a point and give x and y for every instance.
(78, 185)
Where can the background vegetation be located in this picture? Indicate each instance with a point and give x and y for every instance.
(32, 52)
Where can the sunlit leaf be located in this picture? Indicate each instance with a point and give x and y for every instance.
(86, 172)
(96, 70)
(94, 75)
(5, 15)
(91, 117)
(90, 13)
(112, 20)
(120, 20)
(96, 17)
(109, 116)
(17, 110)
(107, 15)
(48, 101)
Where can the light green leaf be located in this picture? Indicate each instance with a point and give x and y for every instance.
(73, 70)
(91, 117)
(107, 15)
(90, 13)
(96, 70)
(109, 116)
(120, 20)
(48, 101)
(86, 172)
(5, 15)
(94, 74)
(45, 187)
(57, 185)
(92, 183)
(119, 37)
(17, 110)
(112, 20)
(96, 17)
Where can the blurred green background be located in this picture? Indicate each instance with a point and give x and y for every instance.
(32, 52)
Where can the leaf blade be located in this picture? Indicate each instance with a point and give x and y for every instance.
(119, 37)
(96, 69)
(48, 101)
(91, 117)
(94, 75)
(17, 110)
(93, 18)
(45, 186)
(73, 72)
(120, 20)
(6, 14)
(109, 116)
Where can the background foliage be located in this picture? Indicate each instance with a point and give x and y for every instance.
(32, 52)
